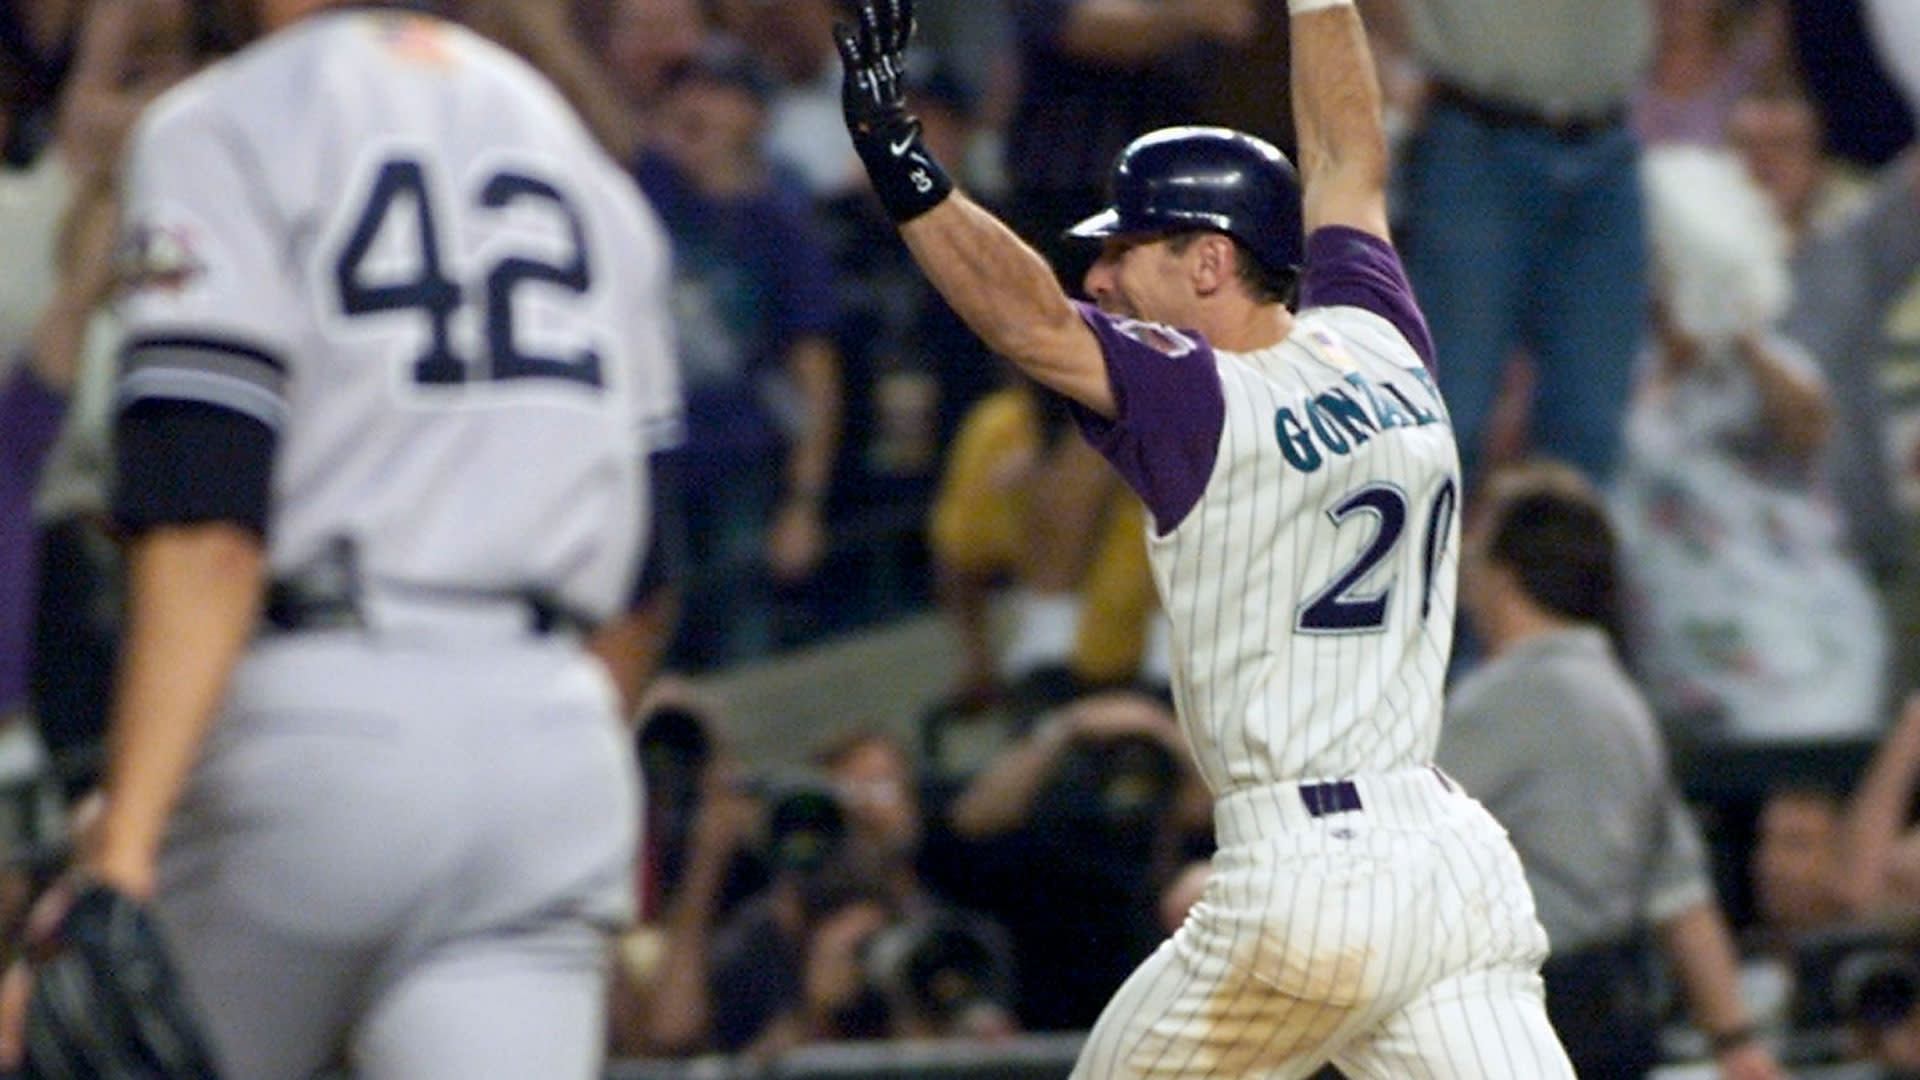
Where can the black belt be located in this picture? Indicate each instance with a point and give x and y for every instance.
(1342, 796)
(1508, 116)
(292, 607)
(1331, 797)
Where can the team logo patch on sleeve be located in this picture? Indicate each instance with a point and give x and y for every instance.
(1162, 339)
(161, 255)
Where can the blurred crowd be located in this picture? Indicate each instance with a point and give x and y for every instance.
(1671, 247)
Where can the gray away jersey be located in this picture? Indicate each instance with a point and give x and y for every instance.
(1304, 546)
(393, 244)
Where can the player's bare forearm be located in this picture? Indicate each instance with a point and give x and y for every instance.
(1008, 295)
(193, 598)
(1337, 118)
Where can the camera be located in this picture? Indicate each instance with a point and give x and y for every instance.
(674, 749)
(1866, 977)
(1118, 786)
(806, 827)
(945, 973)
(1878, 988)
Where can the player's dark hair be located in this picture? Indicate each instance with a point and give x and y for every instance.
(1265, 284)
(1560, 548)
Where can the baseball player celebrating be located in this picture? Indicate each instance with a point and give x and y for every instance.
(397, 349)
(1303, 483)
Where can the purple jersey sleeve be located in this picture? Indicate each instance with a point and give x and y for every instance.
(1350, 268)
(1169, 413)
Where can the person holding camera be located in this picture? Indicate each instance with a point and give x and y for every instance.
(941, 970)
(846, 941)
(1074, 830)
(695, 866)
(785, 967)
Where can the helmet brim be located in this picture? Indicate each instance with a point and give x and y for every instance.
(1103, 224)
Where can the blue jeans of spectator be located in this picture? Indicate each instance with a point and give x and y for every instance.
(1521, 240)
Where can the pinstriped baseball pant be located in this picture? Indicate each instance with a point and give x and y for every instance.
(1396, 940)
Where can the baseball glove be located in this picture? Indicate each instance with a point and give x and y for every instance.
(107, 1004)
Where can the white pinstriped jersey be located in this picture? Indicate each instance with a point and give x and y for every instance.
(395, 245)
(1305, 545)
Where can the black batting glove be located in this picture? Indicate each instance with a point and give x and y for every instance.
(873, 56)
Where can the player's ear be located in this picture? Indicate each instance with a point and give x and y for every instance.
(1213, 263)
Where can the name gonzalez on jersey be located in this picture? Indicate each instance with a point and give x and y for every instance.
(1338, 420)
(1335, 421)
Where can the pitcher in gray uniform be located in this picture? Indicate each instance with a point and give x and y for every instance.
(397, 351)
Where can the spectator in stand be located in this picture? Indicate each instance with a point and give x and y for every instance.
(754, 310)
(975, 42)
(1749, 621)
(793, 42)
(1077, 829)
(645, 41)
(1777, 132)
(1552, 735)
(1849, 281)
(1795, 866)
(696, 866)
(37, 43)
(846, 939)
(1093, 75)
(874, 779)
(1067, 633)
(1521, 216)
(893, 842)
(1707, 55)
(129, 51)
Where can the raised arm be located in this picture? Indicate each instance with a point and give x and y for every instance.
(1877, 815)
(1001, 287)
(1337, 119)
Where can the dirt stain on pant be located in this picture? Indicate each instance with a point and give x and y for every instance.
(1275, 1002)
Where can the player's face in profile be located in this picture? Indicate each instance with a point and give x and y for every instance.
(1131, 278)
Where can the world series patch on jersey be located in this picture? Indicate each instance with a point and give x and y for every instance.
(326, 249)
